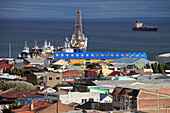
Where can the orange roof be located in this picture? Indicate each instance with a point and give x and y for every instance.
(29, 65)
(15, 93)
(38, 105)
(94, 69)
(71, 74)
(162, 90)
(82, 69)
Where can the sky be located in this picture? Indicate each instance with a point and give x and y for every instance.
(90, 8)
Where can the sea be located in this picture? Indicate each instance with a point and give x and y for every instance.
(104, 35)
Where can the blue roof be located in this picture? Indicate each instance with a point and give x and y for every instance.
(99, 55)
(102, 96)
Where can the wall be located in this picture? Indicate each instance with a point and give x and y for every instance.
(151, 101)
(74, 97)
(54, 80)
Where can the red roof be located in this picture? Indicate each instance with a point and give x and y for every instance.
(114, 73)
(162, 90)
(94, 69)
(15, 93)
(146, 73)
(29, 65)
(38, 105)
(71, 74)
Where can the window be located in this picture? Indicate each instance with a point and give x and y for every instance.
(84, 100)
(91, 99)
(50, 78)
(57, 78)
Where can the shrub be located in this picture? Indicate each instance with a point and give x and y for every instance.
(21, 85)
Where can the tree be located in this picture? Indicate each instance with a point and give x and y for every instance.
(20, 71)
(55, 66)
(161, 68)
(93, 65)
(21, 85)
(100, 74)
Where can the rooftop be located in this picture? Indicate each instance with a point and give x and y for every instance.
(15, 93)
(38, 105)
(129, 82)
(164, 55)
(7, 76)
(93, 70)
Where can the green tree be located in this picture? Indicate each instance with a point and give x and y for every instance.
(100, 74)
(21, 85)
(156, 67)
(161, 68)
(93, 65)
(55, 66)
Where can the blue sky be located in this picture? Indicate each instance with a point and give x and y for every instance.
(89, 8)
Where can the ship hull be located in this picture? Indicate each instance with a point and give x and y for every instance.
(80, 50)
(145, 29)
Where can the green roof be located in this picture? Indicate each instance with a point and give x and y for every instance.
(140, 65)
(74, 67)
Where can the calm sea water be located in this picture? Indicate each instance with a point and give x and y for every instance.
(103, 35)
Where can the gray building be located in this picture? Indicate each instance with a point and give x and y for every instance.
(164, 58)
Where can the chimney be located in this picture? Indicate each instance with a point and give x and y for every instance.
(32, 105)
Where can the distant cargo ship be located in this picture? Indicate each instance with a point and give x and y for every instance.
(140, 27)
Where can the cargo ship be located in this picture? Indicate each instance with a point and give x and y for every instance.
(140, 27)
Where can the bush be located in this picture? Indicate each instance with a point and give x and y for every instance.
(4, 86)
(36, 70)
(77, 64)
(21, 85)
(93, 65)
(20, 71)
(55, 66)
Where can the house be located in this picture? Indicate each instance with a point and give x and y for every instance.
(6, 77)
(13, 96)
(105, 70)
(40, 106)
(124, 98)
(92, 73)
(51, 79)
(77, 97)
(1, 71)
(117, 73)
(47, 89)
(6, 67)
(126, 64)
(37, 61)
(45, 78)
(149, 98)
(61, 62)
(106, 98)
(71, 75)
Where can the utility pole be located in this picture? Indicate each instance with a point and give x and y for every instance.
(9, 50)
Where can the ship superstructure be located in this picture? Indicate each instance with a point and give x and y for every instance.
(140, 27)
(48, 48)
(36, 51)
(25, 52)
(78, 41)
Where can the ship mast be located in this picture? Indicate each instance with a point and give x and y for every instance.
(78, 26)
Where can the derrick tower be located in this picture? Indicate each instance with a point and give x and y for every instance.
(78, 41)
(78, 27)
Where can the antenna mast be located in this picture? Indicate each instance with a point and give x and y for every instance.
(9, 50)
